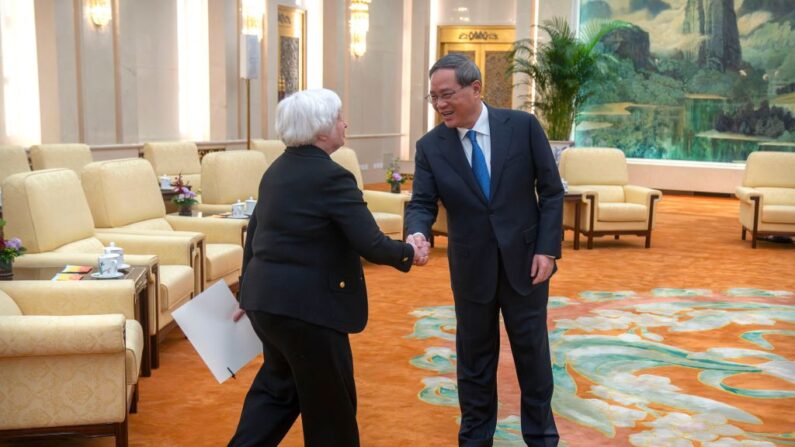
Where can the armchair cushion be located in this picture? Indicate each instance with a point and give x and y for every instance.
(770, 169)
(622, 212)
(777, 196)
(8, 307)
(594, 166)
(781, 214)
(390, 224)
(175, 157)
(121, 192)
(231, 176)
(69, 156)
(222, 259)
(272, 149)
(46, 209)
(13, 160)
(346, 157)
(177, 286)
(605, 193)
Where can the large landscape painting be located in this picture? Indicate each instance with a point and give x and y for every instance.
(708, 80)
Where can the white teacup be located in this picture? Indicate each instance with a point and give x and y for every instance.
(113, 249)
(108, 264)
(250, 204)
(165, 182)
(237, 209)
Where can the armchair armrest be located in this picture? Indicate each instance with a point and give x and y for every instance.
(385, 202)
(60, 259)
(170, 247)
(640, 194)
(73, 297)
(24, 336)
(218, 231)
(746, 194)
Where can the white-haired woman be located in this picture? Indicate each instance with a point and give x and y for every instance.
(303, 285)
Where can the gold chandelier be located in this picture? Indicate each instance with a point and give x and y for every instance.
(359, 24)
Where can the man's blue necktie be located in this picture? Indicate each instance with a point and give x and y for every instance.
(479, 167)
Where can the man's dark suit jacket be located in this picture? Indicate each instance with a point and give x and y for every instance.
(522, 218)
(304, 240)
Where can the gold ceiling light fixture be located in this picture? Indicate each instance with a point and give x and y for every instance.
(359, 24)
(99, 12)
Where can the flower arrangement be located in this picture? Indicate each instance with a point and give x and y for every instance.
(185, 196)
(9, 249)
(393, 176)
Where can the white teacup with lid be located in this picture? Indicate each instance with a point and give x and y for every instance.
(237, 209)
(250, 204)
(114, 250)
(165, 182)
(108, 264)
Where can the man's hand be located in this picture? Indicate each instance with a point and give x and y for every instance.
(542, 268)
(421, 246)
(238, 314)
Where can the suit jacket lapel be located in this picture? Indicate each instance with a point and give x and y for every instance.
(500, 129)
(453, 151)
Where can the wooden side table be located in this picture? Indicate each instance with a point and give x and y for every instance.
(576, 199)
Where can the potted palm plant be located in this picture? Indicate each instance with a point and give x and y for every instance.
(564, 69)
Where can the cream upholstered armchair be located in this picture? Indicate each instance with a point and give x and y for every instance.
(69, 156)
(70, 356)
(124, 197)
(173, 158)
(272, 149)
(13, 159)
(48, 210)
(228, 177)
(387, 208)
(767, 196)
(611, 205)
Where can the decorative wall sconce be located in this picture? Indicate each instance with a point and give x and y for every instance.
(360, 24)
(100, 12)
(252, 12)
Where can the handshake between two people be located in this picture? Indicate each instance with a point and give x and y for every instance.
(422, 248)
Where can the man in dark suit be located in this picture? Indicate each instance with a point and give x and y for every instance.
(303, 285)
(494, 172)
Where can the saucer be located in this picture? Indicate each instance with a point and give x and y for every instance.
(170, 188)
(123, 267)
(116, 275)
(238, 217)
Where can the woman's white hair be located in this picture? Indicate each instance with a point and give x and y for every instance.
(305, 114)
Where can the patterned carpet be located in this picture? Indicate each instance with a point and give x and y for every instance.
(686, 344)
(671, 367)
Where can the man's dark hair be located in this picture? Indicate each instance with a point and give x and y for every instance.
(466, 72)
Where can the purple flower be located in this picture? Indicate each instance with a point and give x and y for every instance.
(185, 190)
(396, 177)
(14, 243)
